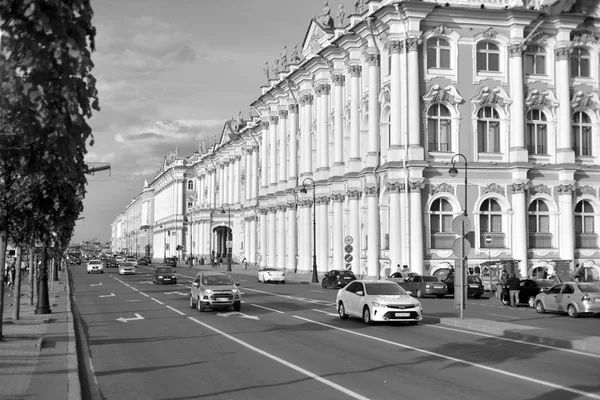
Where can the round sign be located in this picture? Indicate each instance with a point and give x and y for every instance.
(348, 240)
(348, 266)
(348, 258)
(229, 244)
(459, 223)
(348, 248)
(489, 240)
(458, 243)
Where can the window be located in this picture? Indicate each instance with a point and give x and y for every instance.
(440, 220)
(581, 130)
(488, 130)
(488, 57)
(580, 63)
(585, 238)
(535, 60)
(190, 184)
(539, 225)
(439, 125)
(438, 53)
(190, 204)
(490, 222)
(537, 136)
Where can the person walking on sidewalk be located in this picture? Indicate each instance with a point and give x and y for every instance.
(514, 286)
(11, 275)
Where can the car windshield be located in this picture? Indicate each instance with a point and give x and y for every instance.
(163, 270)
(473, 279)
(430, 279)
(386, 289)
(347, 273)
(129, 264)
(217, 280)
(271, 269)
(589, 287)
(95, 262)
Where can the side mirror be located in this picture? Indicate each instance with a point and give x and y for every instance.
(360, 293)
(238, 284)
(195, 284)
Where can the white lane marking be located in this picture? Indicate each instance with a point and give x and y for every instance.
(227, 314)
(501, 315)
(107, 295)
(316, 291)
(96, 284)
(131, 301)
(266, 308)
(546, 346)
(176, 310)
(312, 301)
(158, 301)
(325, 312)
(288, 364)
(142, 293)
(458, 360)
(136, 318)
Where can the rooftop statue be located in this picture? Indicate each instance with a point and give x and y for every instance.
(358, 6)
(275, 69)
(284, 61)
(295, 59)
(325, 17)
(266, 70)
(341, 14)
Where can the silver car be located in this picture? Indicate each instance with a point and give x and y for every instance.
(213, 289)
(574, 298)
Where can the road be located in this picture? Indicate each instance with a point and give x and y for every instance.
(146, 343)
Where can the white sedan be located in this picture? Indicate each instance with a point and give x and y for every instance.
(377, 301)
(271, 275)
(95, 266)
(127, 268)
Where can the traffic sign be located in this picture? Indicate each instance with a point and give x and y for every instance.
(348, 258)
(489, 240)
(461, 225)
(458, 243)
(229, 244)
(348, 240)
(348, 265)
(348, 248)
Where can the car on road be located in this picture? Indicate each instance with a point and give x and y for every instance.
(271, 275)
(215, 289)
(530, 288)
(111, 262)
(164, 275)
(127, 268)
(399, 277)
(95, 266)
(142, 261)
(424, 285)
(573, 298)
(170, 262)
(131, 259)
(120, 259)
(377, 301)
(337, 278)
(474, 286)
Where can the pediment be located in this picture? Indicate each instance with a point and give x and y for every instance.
(317, 37)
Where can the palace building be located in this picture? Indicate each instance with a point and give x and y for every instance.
(383, 128)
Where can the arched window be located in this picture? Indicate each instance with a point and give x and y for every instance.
(488, 130)
(581, 131)
(535, 60)
(488, 57)
(440, 220)
(537, 132)
(438, 53)
(585, 237)
(190, 204)
(539, 225)
(190, 185)
(439, 128)
(490, 222)
(580, 63)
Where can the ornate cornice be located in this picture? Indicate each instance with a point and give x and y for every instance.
(535, 98)
(338, 79)
(541, 188)
(274, 119)
(493, 97)
(566, 188)
(586, 190)
(563, 53)
(442, 188)
(494, 188)
(293, 108)
(354, 194)
(371, 190)
(585, 100)
(354, 70)
(520, 187)
(338, 197)
(438, 94)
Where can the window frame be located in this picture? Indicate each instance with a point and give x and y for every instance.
(535, 123)
(483, 146)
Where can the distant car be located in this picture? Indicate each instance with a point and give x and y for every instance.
(111, 262)
(170, 262)
(142, 261)
(337, 278)
(164, 275)
(215, 289)
(474, 286)
(399, 277)
(127, 268)
(271, 275)
(131, 259)
(120, 259)
(573, 298)
(530, 288)
(95, 266)
(424, 285)
(377, 301)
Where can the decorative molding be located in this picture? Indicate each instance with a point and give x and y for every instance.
(563, 53)
(281, 207)
(305, 203)
(493, 97)
(354, 194)
(540, 189)
(372, 59)
(338, 79)
(274, 119)
(264, 124)
(396, 46)
(448, 95)
(516, 49)
(354, 70)
(535, 98)
(338, 197)
(371, 191)
(413, 43)
(566, 188)
(494, 188)
(585, 38)
(416, 185)
(323, 88)
(442, 188)
(292, 205)
(306, 99)
(283, 114)
(322, 200)
(586, 190)
(585, 100)
(440, 30)
(490, 34)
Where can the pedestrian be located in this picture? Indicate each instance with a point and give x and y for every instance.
(245, 262)
(501, 284)
(581, 273)
(220, 262)
(12, 273)
(514, 286)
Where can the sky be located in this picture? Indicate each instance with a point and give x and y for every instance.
(169, 74)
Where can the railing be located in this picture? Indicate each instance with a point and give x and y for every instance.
(442, 240)
(586, 240)
(540, 240)
(532, 149)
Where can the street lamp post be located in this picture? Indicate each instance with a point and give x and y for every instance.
(453, 172)
(43, 300)
(136, 244)
(315, 276)
(227, 242)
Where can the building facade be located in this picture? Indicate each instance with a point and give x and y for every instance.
(382, 131)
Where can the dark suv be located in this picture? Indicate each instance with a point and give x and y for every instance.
(474, 286)
(337, 278)
(170, 262)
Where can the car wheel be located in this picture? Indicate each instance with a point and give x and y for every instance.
(342, 311)
(199, 305)
(367, 316)
(419, 294)
(572, 311)
(324, 284)
(192, 305)
(477, 296)
(539, 307)
(237, 306)
(531, 301)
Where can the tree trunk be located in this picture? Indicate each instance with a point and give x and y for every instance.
(17, 286)
(31, 273)
(3, 243)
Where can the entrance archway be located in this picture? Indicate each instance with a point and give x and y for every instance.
(222, 235)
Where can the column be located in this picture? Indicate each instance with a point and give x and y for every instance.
(292, 237)
(264, 173)
(374, 87)
(281, 236)
(373, 229)
(248, 174)
(416, 151)
(227, 181)
(395, 105)
(263, 237)
(338, 123)
(322, 234)
(274, 120)
(566, 241)
(395, 225)
(565, 153)
(222, 186)
(253, 239)
(272, 237)
(293, 145)
(323, 91)
(354, 153)
(283, 147)
(354, 228)
(519, 225)
(338, 231)
(518, 153)
(255, 173)
(417, 248)
(306, 102)
(306, 240)
(237, 182)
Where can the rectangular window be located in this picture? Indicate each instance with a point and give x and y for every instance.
(481, 61)
(589, 224)
(544, 224)
(447, 223)
(584, 67)
(431, 57)
(494, 62)
(494, 137)
(444, 58)
(444, 142)
(496, 223)
(432, 131)
(540, 65)
(529, 64)
(435, 224)
(532, 223)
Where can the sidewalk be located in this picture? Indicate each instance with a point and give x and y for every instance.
(38, 357)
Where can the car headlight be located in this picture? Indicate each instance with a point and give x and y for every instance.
(418, 304)
(208, 291)
(378, 305)
(160, 277)
(427, 286)
(235, 291)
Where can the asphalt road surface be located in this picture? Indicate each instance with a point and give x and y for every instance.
(146, 342)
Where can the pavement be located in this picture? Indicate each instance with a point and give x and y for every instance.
(38, 354)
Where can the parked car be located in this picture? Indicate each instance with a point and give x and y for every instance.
(164, 275)
(215, 289)
(170, 262)
(573, 298)
(337, 278)
(111, 262)
(271, 275)
(95, 266)
(399, 277)
(142, 261)
(530, 288)
(377, 301)
(127, 268)
(474, 286)
(425, 285)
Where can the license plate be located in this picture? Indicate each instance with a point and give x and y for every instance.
(346, 277)
(402, 314)
(166, 279)
(473, 286)
(222, 299)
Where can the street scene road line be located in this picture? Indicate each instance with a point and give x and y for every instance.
(263, 307)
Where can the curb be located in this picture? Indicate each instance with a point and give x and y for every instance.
(73, 382)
